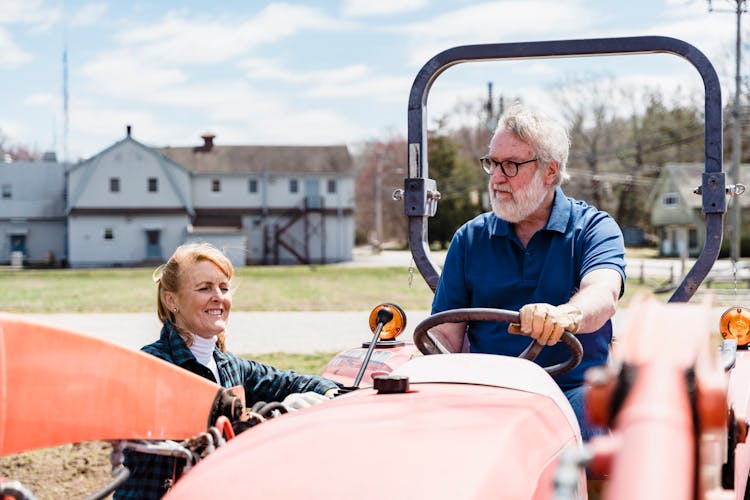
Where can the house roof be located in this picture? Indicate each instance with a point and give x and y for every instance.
(210, 159)
(165, 164)
(91, 162)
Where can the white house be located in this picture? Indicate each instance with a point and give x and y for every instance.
(32, 211)
(132, 204)
(676, 211)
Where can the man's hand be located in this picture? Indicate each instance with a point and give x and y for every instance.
(546, 323)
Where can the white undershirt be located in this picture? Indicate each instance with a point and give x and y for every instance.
(203, 350)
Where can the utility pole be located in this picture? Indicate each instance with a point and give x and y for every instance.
(378, 243)
(736, 214)
(490, 108)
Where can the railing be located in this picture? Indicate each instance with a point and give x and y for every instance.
(661, 275)
(727, 283)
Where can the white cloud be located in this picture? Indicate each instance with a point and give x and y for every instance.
(95, 126)
(15, 131)
(364, 8)
(11, 55)
(377, 89)
(27, 12)
(264, 119)
(89, 15)
(208, 40)
(269, 69)
(308, 126)
(121, 75)
(496, 22)
(43, 100)
(352, 81)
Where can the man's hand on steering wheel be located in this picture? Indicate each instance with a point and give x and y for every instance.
(426, 342)
(546, 323)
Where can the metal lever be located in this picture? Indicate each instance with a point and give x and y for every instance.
(384, 316)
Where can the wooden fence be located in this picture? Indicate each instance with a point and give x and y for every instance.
(728, 284)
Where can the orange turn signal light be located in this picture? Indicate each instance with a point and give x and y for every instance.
(394, 327)
(735, 324)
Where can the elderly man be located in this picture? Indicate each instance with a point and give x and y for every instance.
(557, 260)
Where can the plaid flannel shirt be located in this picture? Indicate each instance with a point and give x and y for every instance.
(151, 475)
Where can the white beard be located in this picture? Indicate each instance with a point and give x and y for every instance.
(524, 201)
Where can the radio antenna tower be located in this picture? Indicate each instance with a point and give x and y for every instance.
(65, 87)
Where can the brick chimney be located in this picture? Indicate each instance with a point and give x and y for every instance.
(208, 143)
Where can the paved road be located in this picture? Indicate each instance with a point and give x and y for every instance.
(249, 332)
(260, 332)
(263, 332)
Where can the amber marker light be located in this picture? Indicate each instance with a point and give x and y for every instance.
(735, 324)
(394, 327)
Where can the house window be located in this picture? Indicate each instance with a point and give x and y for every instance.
(252, 186)
(114, 184)
(331, 185)
(216, 185)
(109, 234)
(670, 200)
(7, 192)
(153, 185)
(293, 185)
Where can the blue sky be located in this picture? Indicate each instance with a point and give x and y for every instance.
(304, 72)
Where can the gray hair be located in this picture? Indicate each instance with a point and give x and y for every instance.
(547, 137)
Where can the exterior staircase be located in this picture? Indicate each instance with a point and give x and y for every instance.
(277, 234)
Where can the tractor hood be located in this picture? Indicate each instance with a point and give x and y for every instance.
(440, 439)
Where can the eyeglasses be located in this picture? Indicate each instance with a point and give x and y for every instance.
(509, 167)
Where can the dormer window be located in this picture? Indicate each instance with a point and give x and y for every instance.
(670, 200)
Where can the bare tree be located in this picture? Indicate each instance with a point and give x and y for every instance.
(589, 106)
(381, 170)
(16, 152)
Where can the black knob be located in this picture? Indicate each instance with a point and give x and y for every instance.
(384, 315)
(391, 384)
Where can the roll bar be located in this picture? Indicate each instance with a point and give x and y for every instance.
(421, 196)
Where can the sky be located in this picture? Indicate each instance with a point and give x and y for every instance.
(307, 72)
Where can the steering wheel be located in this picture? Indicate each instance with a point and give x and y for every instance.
(427, 344)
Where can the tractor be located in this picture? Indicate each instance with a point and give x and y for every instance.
(412, 421)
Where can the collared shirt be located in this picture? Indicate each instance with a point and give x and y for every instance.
(150, 475)
(488, 266)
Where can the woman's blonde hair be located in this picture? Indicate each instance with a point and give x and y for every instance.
(167, 278)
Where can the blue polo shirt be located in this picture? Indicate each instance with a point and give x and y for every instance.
(487, 266)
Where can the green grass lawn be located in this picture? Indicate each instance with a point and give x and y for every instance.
(277, 288)
(301, 363)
